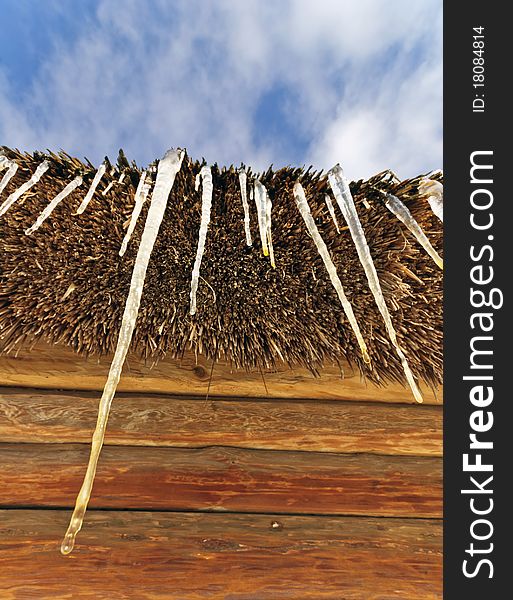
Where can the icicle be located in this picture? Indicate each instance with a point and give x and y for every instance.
(90, 192)
(11, 167)
(340, 187)
(245, 205)
(268, 229)
(434, 191)
(141, 193)
(206, 203)
(168, 168)
(304, 209)
(260, 194)
(36, 176)
(51, 205)
(329, 204)
(396, 207)
(107, 189)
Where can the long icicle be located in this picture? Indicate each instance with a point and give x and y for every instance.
(268, 227)
(11, 167)
(434, 191)
(331, 210)
(36, 176)
(141, 193)
(92, 188)
(169, 166)
(340, 187)
(261, 204)
(304, 209)
(400, 210)
(206, 204)
(51, 205)
(243, 192)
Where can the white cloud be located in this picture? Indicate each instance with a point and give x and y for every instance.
(365, 76)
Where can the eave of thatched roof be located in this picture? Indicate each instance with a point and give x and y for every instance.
(68, 284)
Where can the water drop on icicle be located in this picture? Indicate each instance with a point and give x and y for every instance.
(331, 210)
(36, 176)
(51, 205)
(168, 167)
(90, 192)
(304, 209)
(434, 191)
(141, 193)
(396, 207)
(206, 204)
(340, 187)
(243, 192)
(11, 167)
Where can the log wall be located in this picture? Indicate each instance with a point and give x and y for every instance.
(278, 485)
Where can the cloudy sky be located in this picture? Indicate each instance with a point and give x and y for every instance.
(256, 81)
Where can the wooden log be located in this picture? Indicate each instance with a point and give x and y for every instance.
(224, 479)
(59, 367)
(51, 416)
(150, 556)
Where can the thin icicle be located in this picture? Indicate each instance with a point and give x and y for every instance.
(107, 189)
(206, 204)
(304, 209)
(141, 193)
(90, 192)
(243, 187)
(11, 167)
(434, 191)
(329, 204)
(36, 176)
(396, 207)
(340, 187)
(168, 168)
(264, 209)
(268, 228)
(261, 204)
(51, 205)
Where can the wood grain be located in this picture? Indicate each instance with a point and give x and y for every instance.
(324, 426)
(224, 479)
(58, 367)
(148, 556)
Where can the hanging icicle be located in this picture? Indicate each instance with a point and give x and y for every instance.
(396, 207)
(304, 209)
(340, 187)
(264, 208)
(11, 167)
(434, 191)
(206, 204)
(36, 176)
(141, 193)
(331, 210)
(268, 228)
(90, 192)
(261, 205)
(168, 168)
(243, 187)
(51, 205)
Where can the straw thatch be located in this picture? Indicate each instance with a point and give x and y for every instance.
(66, 282)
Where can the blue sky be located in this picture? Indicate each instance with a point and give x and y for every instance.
(286, 82)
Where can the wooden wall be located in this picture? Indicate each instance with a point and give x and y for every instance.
(281, 486)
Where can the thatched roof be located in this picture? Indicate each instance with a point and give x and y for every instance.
(67, 283)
